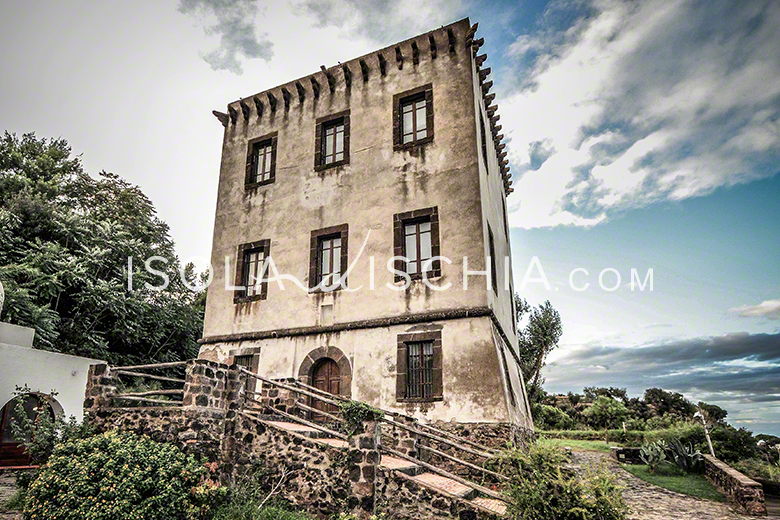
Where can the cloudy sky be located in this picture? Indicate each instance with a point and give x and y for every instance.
(642, 135)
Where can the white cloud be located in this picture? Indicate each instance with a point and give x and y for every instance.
(382, 20)
(663, 99)
(766, 309)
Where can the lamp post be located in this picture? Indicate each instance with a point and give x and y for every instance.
(700, 415)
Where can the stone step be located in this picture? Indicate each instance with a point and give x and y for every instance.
(404, 466)
(300, 429)
(490, 504)
(445, 484)
(337, 443)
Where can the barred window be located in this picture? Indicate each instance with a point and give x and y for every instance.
(419, 381)
(419, 367)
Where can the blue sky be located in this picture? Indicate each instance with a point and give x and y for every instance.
(641, 135)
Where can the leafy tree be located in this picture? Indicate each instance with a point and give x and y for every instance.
(65, 239)
(606, 412)
(671, 403)
(592, 392)
(713, 414)
(639, 409)
(539, 337)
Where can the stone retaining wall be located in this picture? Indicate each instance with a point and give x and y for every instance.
(198, 432)
(745, 493)
(626, 455)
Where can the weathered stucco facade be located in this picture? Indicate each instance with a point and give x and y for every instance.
(290, 330)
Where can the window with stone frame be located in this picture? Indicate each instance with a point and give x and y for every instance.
(249, 359)
(329, 256)
(493, 260)
(261, 161)
(251, 271)
(510, 389)
(416, 243)
(419, 367)
(483, 134)
(413, 117)
(332, 141)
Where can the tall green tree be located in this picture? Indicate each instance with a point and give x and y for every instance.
(539, 337)
(65, 239)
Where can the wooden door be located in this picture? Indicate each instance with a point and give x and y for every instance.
(326, 377)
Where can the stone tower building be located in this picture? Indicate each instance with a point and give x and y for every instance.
(354, 207)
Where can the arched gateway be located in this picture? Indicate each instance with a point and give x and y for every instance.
(327, 369)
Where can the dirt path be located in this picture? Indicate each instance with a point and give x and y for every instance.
(649, 502)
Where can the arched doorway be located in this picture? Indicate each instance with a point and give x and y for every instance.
(326, 376)
(329, 370)
(12, 451)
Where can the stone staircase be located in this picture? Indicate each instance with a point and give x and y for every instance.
(436, 483)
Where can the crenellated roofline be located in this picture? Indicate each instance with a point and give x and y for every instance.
(328, 80)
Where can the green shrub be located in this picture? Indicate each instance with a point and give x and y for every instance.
(355, 413)
(755, 468)
(542, 487)
(551, 417)
(120, 475)
(636, 424)
(627, 438)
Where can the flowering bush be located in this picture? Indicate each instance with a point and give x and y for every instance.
(120, 475)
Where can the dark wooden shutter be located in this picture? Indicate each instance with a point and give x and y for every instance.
(318, 145)
(429, 112)
(397, 121)
(401, 371)
(438, 385)
(273, 158)
(250, 164)
(346, 139)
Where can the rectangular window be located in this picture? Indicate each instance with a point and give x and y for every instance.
(243, 361)
(328, 258)
(251, 271)
(417, 243)
(417, 246)
(419, 367)
(419, 381)
(329, 263)
(332, 141)
(493, 260)
(509, 388)
(261, 161)
(484, 141)
(413, 117)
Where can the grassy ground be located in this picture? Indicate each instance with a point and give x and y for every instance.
(674, 479)
(579, 445)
